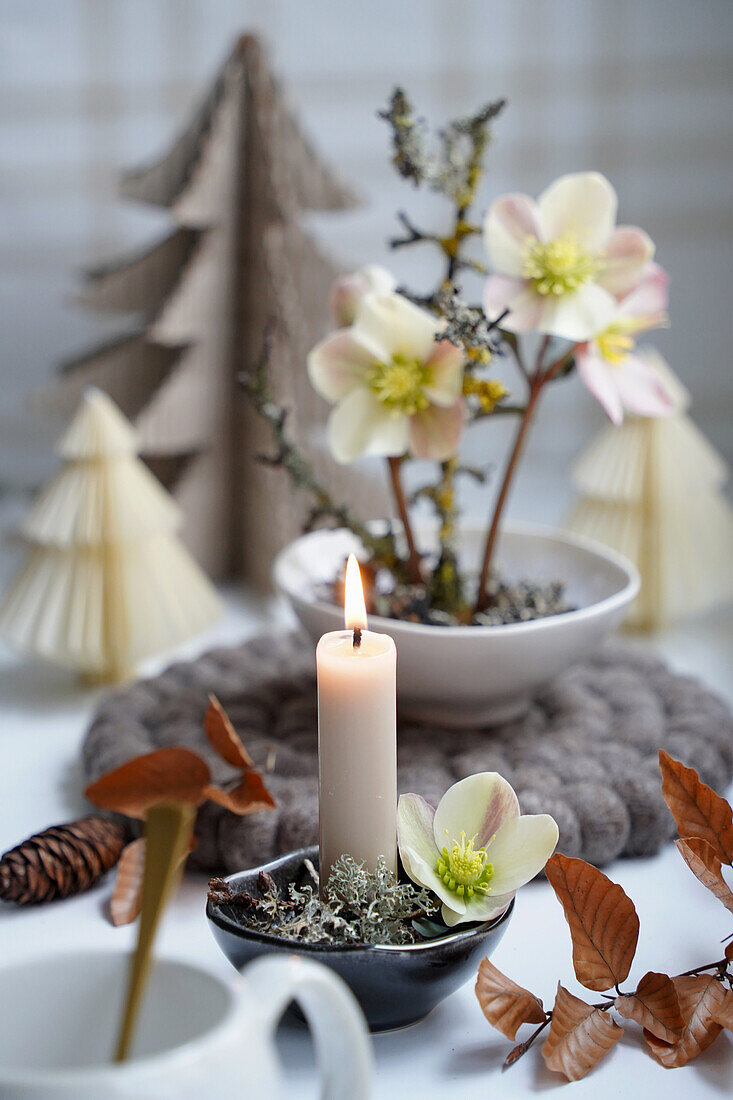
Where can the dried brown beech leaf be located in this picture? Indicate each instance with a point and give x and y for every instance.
(603, 923)
(579, 1036)
(700, 998)
(248, 797)
(127, 896)
(223, 737)
(697, 809)
(723, 1012)
(166, 775)
(705, 865)
(655, 1006)
(505, 1004)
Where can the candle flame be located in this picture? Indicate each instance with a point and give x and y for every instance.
(355, 616)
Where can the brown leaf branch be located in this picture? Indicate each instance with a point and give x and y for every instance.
(175, 776)
(679, 1016)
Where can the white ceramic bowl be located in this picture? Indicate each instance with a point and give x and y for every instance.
(469, 676)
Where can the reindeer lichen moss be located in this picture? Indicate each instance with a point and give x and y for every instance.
(358, 906)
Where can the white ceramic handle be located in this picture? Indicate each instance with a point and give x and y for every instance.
(339, 1030)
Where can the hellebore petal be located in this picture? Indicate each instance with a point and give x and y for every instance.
(478, 806)
(519, 851)
(391, 323)
(518, 296)
(640, 388)
(626, 255)
(583, 203)
(648, 299)
(577, 316)
(415, 826)
(597, 376)
(481, 908)
(424, 873)
(435, 432)
(361, 425)
(445, 374)
(510, 220)
(348, 290)
(338, 365)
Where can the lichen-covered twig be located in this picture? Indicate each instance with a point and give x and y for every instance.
(468, 327)
(454, 168)
(288, 456)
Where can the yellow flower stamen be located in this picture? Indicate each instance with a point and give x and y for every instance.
(617, 341)
(559, 266)
(399, 384)
(489, 391)
(465, 869)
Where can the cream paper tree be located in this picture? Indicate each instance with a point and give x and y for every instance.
(106, 581)
(652, 489)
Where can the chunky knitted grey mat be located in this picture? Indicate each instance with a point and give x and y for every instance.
(586, 752)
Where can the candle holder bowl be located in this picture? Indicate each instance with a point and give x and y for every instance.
(395, 984)
(476, 676)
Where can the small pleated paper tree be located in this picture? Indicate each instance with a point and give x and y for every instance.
(652, 489)
(106, 581)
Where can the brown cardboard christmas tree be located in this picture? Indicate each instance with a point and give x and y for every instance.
(236, 263)
(106, 581)
(653, 490)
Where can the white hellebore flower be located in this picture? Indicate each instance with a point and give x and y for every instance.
(348, 290)
(394, 386)
(560, 263)
(617, 375)
(475, 850)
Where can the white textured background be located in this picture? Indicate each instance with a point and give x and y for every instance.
(640, 89)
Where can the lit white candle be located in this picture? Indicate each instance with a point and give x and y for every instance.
(357, 738)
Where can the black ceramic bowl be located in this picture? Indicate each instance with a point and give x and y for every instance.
(395, 985)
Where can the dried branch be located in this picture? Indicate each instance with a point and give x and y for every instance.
(383, 547)
(469, 327)
(679, 1016)
(414, 235)
(411, 156)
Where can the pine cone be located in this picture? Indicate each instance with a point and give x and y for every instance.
(61, 861)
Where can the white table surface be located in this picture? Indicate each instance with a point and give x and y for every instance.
(454, 1051)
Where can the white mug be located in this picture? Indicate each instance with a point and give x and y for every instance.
(197, 1035)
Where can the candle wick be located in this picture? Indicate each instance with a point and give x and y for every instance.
(357, 637)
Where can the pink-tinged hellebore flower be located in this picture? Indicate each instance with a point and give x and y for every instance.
(618, 376)
(560, 263)
(348, 290)
(394, 386)
(475, 850)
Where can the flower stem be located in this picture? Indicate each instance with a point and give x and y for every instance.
(536, 385)
(536, 381)
(413, 558)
